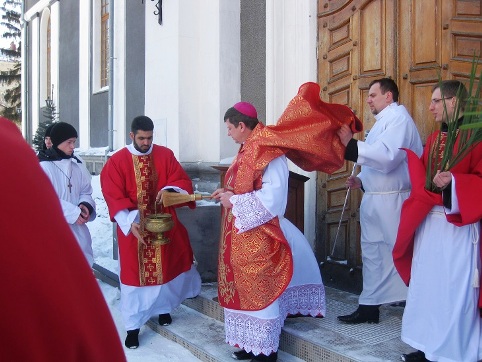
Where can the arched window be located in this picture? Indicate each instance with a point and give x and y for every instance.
(45, 57)
(104, 43)
(100, 44)
(49, 61)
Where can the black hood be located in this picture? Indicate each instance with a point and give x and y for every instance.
(54, 154)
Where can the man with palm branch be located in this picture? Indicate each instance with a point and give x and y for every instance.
(438, 243)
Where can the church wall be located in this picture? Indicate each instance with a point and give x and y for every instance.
(291, 61)
(185, 74)
(28, 4)
(135, 63)
(253, 55)
(68, 103)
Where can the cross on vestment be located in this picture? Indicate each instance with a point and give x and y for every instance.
(69, 185)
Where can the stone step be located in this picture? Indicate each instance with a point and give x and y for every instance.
(201, 330)
(326, 339)
(203, 336)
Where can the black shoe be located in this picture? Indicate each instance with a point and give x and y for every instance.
(273, 357)
(418, 356)
(242, 355)
(165, 319)
(364, 314)
(132, 339)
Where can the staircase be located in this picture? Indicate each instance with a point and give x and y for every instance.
(198, 326)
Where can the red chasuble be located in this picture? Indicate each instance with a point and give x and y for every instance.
(468, 183)
(132, 182)
(52, 307)
(256, 266)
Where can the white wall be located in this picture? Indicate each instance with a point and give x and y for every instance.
(291, 42)
(119, 101)
(35, 75)
(85, 55)
(192, 75)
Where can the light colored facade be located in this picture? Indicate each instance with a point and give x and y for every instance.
(184, 74)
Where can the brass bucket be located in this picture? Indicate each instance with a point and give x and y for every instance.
(158, 224)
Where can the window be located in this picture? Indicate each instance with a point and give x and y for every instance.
(104, 43)
(45, 66)
(49, 61)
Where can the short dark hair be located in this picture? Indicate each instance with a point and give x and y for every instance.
(453, 88)
(387, 85)
(235, 117)
(142, 123)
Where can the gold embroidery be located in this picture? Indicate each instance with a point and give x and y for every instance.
(149, 256)
(263, 266)
(226, 289)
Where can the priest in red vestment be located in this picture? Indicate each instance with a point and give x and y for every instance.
(437, 251)
(52, 307)
(267, 269)
(154, 278)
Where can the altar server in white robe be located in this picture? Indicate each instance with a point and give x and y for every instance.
(71, 182)
(385, 181)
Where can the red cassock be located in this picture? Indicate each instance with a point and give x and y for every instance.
(132, 182)
(52, 307)
(468, 183)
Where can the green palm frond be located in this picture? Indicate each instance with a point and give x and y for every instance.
(460, 138)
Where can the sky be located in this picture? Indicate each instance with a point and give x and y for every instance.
(153, 347)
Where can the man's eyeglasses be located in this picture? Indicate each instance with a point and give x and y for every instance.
(436, 100)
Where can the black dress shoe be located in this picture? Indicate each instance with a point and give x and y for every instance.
(242, 355)
(165, 319)
(132, 339)
(364, 314)
(418, 356)
(273, 357)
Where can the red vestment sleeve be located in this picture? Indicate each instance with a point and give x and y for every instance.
(306, 132)
(113, 181)
(467, 186)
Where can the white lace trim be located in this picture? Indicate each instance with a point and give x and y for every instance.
(249, 212)
(308, 299)
(258, 335)
(251, 333)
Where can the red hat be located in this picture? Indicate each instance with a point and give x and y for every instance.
(246, 108)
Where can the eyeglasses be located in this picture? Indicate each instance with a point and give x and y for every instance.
(436, 100)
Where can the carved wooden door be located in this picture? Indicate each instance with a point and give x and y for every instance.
(442, 38)
(411, 41)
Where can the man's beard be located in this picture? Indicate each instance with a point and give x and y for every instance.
(140, 149)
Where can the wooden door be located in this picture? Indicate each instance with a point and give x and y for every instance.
(356, 45)
(411, 41)
(444, 36)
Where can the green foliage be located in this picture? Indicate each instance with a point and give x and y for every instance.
(10, 20)
(51, 116)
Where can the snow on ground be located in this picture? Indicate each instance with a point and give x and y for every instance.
(153, 347)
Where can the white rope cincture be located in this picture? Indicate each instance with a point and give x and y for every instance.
(387, 192)
(475, 281)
